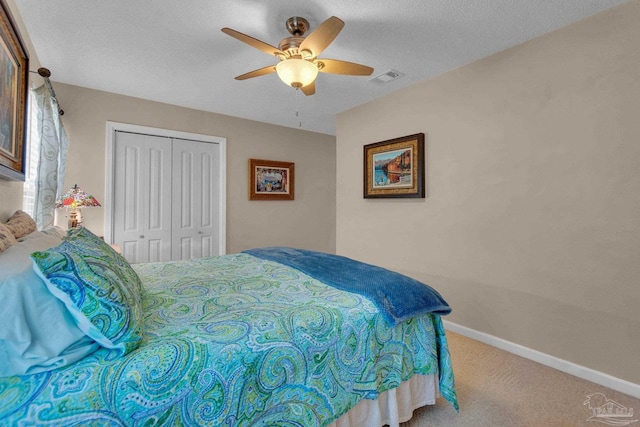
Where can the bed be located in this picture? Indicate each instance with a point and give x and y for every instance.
(233, 340)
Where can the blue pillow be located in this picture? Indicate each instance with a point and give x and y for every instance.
(37, 333)
(98, 287)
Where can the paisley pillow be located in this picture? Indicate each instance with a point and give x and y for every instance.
(6, 238)
(85, 241)
(21, 224)
(98, 287)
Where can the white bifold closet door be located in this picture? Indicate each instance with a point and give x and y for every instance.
(195, 199)
(166, 201)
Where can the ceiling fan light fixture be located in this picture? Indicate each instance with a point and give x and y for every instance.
(297, 72)
(298, 55)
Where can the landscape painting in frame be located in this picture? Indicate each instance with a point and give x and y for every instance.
(14, 66)
(395, 168)
(271, 180)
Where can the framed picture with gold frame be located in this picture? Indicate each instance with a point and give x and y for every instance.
(395, 168)
(271, 180)
(14, 71)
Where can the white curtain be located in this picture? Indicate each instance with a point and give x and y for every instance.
(52, 159)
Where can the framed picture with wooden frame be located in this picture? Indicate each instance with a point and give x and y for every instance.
(14, 71)
(395, 168)
(271, 180)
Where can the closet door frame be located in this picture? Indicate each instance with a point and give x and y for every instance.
(113, 127)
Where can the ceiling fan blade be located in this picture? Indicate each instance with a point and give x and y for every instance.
(257, 73)
(335, 66)
(265, 47)
(322, 36)
(309, 89)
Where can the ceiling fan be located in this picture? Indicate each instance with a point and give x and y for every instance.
(299, 63)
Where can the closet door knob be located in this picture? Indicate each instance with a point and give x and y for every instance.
(142, 236)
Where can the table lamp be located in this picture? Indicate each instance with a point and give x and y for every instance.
(75, 199)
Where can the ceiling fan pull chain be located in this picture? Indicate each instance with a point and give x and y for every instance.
(298, 107)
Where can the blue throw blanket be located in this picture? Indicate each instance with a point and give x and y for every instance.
(398, 297)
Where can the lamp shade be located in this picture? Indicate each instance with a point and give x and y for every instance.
(297, 72)
(76, 197)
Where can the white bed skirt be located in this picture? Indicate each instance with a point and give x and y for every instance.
(394, 406)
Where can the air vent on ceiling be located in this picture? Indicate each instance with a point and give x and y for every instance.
(386, 77)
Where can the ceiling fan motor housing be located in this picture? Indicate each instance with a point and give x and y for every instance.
(290, 45)
(297, 26)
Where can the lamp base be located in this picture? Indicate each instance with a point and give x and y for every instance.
(73, 220)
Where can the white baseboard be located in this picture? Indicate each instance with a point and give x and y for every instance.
(548, 360)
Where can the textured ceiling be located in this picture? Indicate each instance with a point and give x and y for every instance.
(174, 52)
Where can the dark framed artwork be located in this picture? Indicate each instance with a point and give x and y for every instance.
(14, 69)
(271, 180)
(395, 168)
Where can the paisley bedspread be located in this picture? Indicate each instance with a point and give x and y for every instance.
(236, 341)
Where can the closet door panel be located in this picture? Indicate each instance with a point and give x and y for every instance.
(131, 196)
(157, 169)
(195, 217)
(142, 199)
(206, 243)
(154, 248)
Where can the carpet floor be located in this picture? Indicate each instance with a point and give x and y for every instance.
(497, 388)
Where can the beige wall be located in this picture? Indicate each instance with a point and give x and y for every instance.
(308, 221)
(531, 225)
(10, 198)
